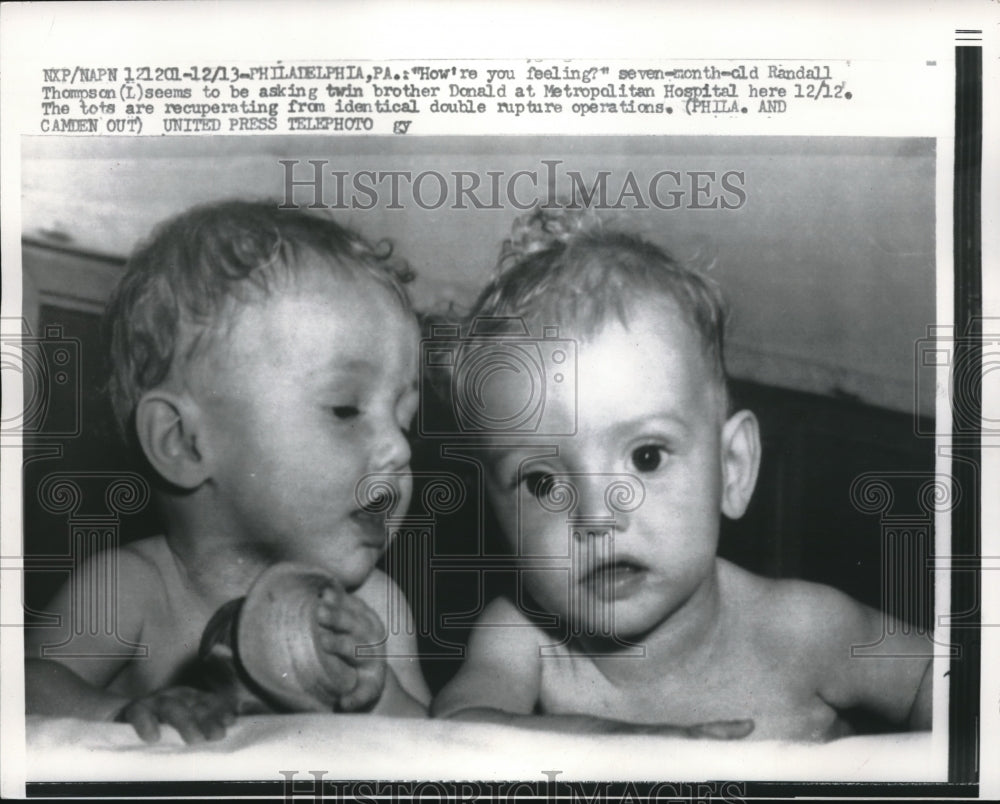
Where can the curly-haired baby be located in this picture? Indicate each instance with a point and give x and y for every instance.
(247, 370)
(637, 620)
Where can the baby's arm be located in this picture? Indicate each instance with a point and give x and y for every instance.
(500, 679)
(500, 682)
(384, 679)
(76, 686)
(406, 693)
(892, 679)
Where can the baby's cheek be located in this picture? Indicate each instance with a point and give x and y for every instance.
(542, 532)
(502, 504)
(550, 587)
(507, 519)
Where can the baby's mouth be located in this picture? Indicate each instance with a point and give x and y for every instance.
(618, 576)
(372, 516)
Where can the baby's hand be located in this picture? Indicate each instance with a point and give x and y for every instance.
(197, 715)
(713, 730)
(346, 622)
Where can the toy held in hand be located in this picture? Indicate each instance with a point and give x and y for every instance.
(298, 636)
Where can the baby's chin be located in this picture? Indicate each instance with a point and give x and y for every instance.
(354, 570)
(626, 620)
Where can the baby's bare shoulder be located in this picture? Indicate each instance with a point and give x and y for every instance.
(502, 611)
(151, 551)
(503, 630)
(380, 591)
(144, 568)
(136, 595)
(149, 557)
(792, 609)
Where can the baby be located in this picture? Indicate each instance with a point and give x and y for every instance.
(248, 371)
(629, 618)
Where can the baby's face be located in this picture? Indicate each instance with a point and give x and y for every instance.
(312, 389)
(648, 409)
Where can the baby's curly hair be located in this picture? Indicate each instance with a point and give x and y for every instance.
(563, 266)
(185, 283)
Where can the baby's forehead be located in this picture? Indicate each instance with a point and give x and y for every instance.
(623, 379)
(653, 322)
(308, 322)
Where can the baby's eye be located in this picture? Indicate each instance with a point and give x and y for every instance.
(647, 458)
(345, 411)
(538, 484)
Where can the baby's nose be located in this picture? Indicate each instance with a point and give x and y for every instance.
(607, 498)
(392, 450)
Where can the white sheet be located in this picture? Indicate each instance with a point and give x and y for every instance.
(370, 747)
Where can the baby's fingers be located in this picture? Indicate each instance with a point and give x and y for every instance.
(371, 682)
(722, 729)
(214, 716)
(351, 616)
(143, 720)
(338, 676)
(196, 715)
(185, 719)
(339, 644)
(346, 616)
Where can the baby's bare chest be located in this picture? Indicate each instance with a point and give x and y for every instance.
(783, 701)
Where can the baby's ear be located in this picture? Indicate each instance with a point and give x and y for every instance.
(740, 462)
(168, 425)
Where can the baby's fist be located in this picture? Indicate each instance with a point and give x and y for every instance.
(345, 624)
(297, 640)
